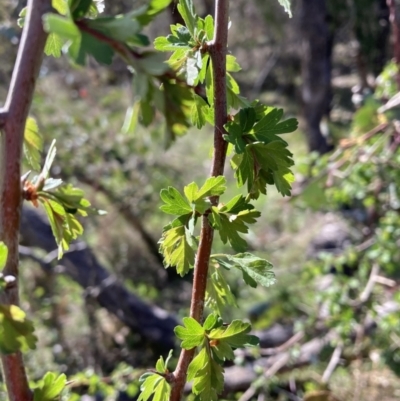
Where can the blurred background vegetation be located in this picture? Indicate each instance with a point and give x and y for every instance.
(330, 327)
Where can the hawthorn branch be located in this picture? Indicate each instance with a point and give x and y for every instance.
(12, 120)
(218, 49)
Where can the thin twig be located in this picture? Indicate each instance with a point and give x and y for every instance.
(364, 296)
(289, 343)
(248, 394)
(335, 359)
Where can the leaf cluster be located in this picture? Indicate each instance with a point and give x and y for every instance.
(50, 387)
(156, 383)
(178, 242)
(261, 156)
(62, 203)
(217, 342)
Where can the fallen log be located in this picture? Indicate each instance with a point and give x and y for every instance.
(152, 323)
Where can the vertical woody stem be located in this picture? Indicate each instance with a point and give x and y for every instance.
(218, 50)
(13, 118)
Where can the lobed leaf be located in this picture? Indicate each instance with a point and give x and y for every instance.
(156, 385)
(235, 335)
(175, 203)
(177, 250)
(255, 270)
(50, 387)
(186, 9)
(16, 331)
(192, 334)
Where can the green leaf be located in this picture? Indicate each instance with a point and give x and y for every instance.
(200, 110)
(60, 5)
(79, 8)
(286, 5)
(62, 26)
(255, 270)
(53, 45)
(51, 154)
(192, 334)
(33, 143)
(231, 64)
(214, 186)
(199, 361)
(147, 13)
(89, 45)
(65, 226)
(218, 292)
(236, 205)
(186, 9)
(3, 254)
(122, 27)
(50, 387)
(235, 334)
(229, 227)
(16, 331)
(160, 365)
(177, 251)
(175, 203)
(235, 136)
(269, 126)
(156, 385)
(209, 27)
(211, 321)
(208, 380)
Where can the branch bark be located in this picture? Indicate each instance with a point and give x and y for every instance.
(218, 50)
(13, 118)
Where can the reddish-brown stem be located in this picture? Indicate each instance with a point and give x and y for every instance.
(13, 120)
(217, 49)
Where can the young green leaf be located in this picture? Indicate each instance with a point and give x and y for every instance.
(53, 46)
(16, 331)
(218, 294)
(186, 10)
(51, 154)
(214, 186)
(229, 227)
(235, 334)
(156, 385)
(269, 126)
(211, 321)
(122, 27)
(231, 64)
(208, 378)
(64, 27)
(3, 255)
(200, 111)
(177, 250)
(175, 203)
(209, 27)
(255, 270)
(147, 13)
(50, 387)
(192, 334)
(88, 45)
